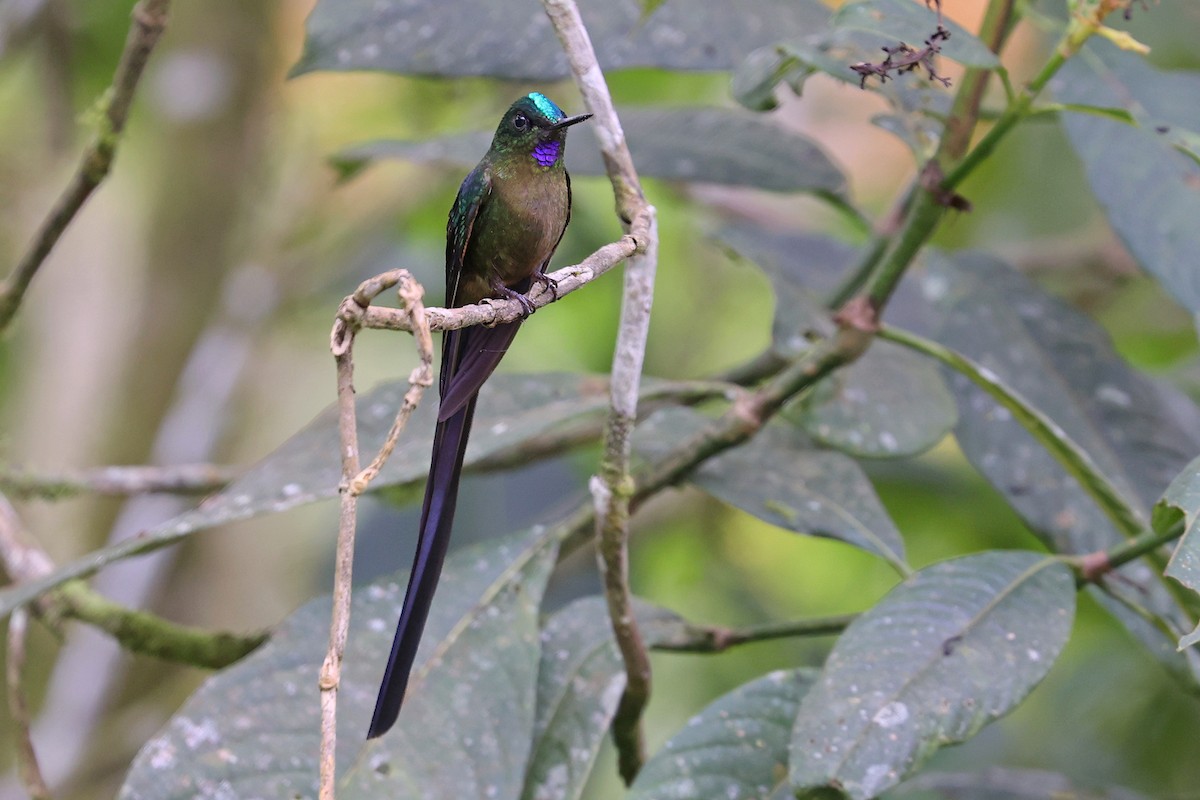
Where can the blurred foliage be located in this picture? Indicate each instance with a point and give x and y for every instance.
(185, 315)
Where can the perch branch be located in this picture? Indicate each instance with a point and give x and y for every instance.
(493, 312)
(149, 21)
(349, 321)
(611, 487)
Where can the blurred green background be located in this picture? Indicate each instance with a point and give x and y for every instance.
(184, 317)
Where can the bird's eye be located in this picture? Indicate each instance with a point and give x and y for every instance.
(520, 122)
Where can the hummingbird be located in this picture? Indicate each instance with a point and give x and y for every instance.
(505, 224)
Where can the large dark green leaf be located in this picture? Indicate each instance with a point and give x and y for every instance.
(1139, 433)
(579, 684)
(1180, 506)
(513, 39)
(465, 730)
(954, 647)
(735, 749)
(710, 145)
(1005, 784)
(803, 269)
(306, 468)
(781, 478)
(890, 403)
(1149, 188)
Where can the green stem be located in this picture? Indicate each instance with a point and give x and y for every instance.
(1147, 542)
(1070, 455)
(151, 635)
(861, 273)
(1078, 31)
(1016, 112)
(888, 260)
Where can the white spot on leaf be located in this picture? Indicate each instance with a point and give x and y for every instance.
(891, 715)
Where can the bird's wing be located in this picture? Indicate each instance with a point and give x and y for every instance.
(473, 195)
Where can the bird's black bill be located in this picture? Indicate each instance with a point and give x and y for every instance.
(569, 121)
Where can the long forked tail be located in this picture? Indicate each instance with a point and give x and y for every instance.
(468, 358)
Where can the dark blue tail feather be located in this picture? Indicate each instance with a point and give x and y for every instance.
(468, 358)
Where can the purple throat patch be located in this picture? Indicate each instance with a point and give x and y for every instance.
(546, 153)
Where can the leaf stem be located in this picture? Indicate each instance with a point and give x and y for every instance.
(704, 639)
(931, 194)
(1093, 566)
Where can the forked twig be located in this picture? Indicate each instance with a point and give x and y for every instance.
(354, 481)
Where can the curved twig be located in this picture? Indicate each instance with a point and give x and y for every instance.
(349, 321)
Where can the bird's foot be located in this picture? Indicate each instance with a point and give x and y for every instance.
(547, 283)
(505, 293)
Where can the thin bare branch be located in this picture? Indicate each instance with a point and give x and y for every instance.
(492, 312)
(117, 481)
(149, 21)
(421, 379)
(349, 321)
(27, 762)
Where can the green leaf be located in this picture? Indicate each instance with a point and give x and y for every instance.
(780, 478)
(1139, 433)
(803, 268)
(512, 409)
(1005, 784)
(708, 145)
(954, 647)
(1117, 84)
(754, 81)
(514, 39)
(891, 403)
(253, 730)
(1146, 177)
(1181, 505)
(806, 270)
(913, 24)
(736, 748)
(580, 682)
